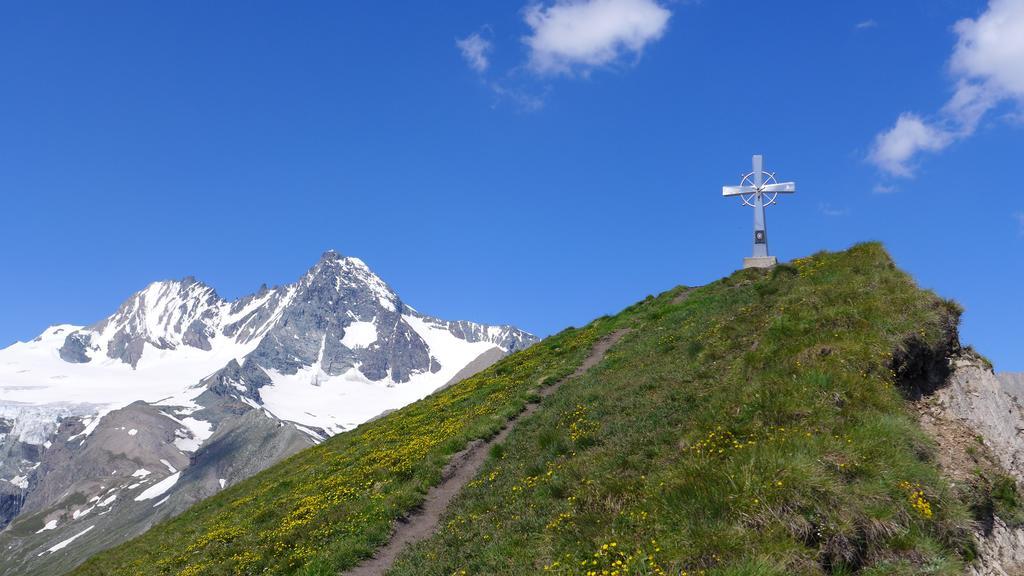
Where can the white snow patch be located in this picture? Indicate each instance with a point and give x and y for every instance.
(19, 481)
(107, 502)
(79, 513)
(359, 335)
(186, 410)
(170, 468)
(222, 483)
(192, 435)
(133, 432)
(141, 473)
(63, 544)
(318, 438)
(158, 488)
(91, 423)
(186, 444)
(52, 524)
(161, 502)
(251, 402)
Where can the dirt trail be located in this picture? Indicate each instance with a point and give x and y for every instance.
(683, 295)
(461, 468)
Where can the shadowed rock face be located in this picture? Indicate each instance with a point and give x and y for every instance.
(104, 473)
(12, 452)
(11, 499)
(17, 461)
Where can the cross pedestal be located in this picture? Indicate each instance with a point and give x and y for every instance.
(760, 262)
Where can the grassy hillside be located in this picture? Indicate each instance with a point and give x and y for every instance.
(330, 505)
(752, 426)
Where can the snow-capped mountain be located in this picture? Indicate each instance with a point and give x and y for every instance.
(181, 392)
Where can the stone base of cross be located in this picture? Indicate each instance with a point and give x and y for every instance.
(760, 262)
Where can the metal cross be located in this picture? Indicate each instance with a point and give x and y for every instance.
(759, 189)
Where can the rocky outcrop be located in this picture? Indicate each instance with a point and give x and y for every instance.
(978, 425)
(481, 363)
(974, 395)
(11, 499)
(1000, 551)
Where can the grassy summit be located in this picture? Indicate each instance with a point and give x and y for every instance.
(757, 425)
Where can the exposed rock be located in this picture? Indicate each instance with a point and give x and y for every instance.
(1001, 552)
(1013, 383)
(100, 478)
(482, 362)
(11, 499)
(74, 348)
(976, 397)
(977, 425)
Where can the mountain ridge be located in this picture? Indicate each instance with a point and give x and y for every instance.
(268, 374)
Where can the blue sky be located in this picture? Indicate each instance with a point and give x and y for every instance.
(538, 164)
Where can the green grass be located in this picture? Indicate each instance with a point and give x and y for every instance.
(752, 428)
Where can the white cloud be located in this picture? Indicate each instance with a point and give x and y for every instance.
(474, 49)
(578, 35)
(866, 24)
(523, 100)
(990, 49)
(987, 63)
(828, 210)
(884, 189)
(894, 149)
(1019, 217)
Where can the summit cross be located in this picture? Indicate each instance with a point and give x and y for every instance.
(759, 189)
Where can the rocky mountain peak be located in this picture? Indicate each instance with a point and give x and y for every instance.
(217, 391)
(165, 314)
(157, 303)
(337, 279)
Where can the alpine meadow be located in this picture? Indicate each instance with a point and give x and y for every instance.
(604, 288)
(756, 425)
